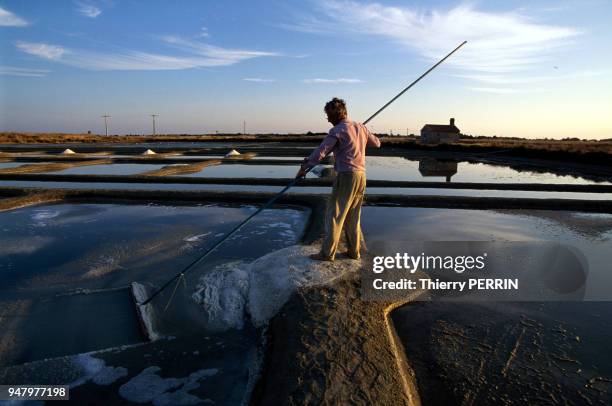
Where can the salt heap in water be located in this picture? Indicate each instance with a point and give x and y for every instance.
(68, 151)
(233, 152)
(263, 286)
(149, 152)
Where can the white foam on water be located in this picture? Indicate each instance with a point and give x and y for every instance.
(139, 291)
(150, 387)
(233, 152)
(109, 375)
(95, 369)
(260, 288)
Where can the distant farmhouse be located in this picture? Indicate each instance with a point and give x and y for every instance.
(440, 133)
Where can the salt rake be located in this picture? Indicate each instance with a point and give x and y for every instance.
(186, 269)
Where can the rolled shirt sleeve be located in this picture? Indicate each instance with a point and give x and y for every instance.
(327, 145)
(373, 140)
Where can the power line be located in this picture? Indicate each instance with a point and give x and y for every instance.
(154, 115)
(106, 124)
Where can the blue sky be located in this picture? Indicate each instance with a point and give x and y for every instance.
(530, 69)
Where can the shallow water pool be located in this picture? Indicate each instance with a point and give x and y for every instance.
(4, 165)
(507, 352)
(63, 264)
(110, 169)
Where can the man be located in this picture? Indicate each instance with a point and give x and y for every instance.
(348, 141)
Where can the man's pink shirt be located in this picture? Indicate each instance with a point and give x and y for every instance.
(348, 141)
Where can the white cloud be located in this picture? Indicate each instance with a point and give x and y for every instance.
(203, 33)
(14, 71)
(88, 9)
(45, 51)
(333, 81)
(259, 80)
(198, 55)
(8, 19)
(498, 43)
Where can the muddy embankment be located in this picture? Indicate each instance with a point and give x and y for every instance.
(327, 346)
(13, 197)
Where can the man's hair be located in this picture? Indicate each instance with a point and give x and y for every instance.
(336, 107)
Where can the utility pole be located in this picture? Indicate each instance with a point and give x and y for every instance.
(243, 127)
(106, 124)
(154, 115)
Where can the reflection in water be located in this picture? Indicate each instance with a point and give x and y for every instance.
(408, 169)
(437, 167)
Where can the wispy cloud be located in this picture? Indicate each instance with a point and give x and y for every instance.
(529, 79)
(88, 9)
(332, 81)
(498, 43)
(211, 51)
(46, 51)
(203, 33)
(196, 55)
(15, 71)
(8, 19)
(259, 80)
(503, 90)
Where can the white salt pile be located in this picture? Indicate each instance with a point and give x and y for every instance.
(148, 387)
(263, 286)
(95, 369)
(68, 151)
(146, 312)
(149, 152)
(233, 152)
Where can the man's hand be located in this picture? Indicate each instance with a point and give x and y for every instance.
(302, 171)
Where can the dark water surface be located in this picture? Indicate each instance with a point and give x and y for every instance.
(507, 353)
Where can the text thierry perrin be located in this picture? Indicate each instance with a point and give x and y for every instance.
(425, 263)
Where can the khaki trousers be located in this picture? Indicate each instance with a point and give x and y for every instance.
(344, 210)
